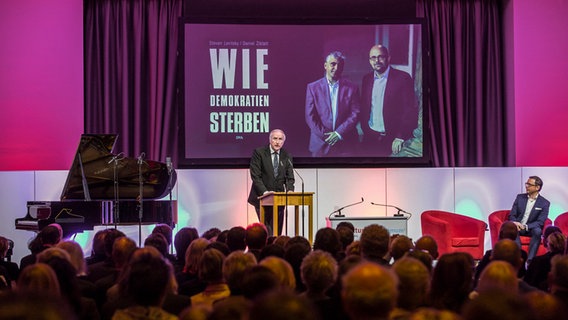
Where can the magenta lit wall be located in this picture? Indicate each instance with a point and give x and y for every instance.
(541, 82)
(41, 83)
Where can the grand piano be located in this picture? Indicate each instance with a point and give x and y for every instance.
(103, 188)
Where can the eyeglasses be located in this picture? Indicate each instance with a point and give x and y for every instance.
(530, 184)
(375, 58)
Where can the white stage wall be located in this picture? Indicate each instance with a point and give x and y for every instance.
(217, 197)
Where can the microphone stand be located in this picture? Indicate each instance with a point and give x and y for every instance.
(116, 206)
(399, 210)
(140, 197)
(303, 205)
(338, 211)
(170, 174)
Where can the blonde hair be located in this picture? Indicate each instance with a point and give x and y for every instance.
(282, 269)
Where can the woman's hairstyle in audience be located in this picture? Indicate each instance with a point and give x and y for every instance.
(556, 243)
(158, 241)
(39, 278)
(149, 277)
(164, 230)
(354, 248)
(452, 281)
(327, 239)
(75, 254)
(193, 255)
(183, 239)
(235, 266)
(211, 266)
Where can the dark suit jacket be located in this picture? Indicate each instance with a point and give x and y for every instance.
(400, 111)
(538, 214)
(262, 173)
(320, 119)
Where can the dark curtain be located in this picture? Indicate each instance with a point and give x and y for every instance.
(467, 109)
(130, 74)
(130, 78)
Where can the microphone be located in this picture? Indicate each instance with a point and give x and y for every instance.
(169, 165)
(116, 158)
(398, 214)
(141, 158)
(339, 215)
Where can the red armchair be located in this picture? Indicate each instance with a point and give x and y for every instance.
(562, 222)
(454, 232)
(497, 218)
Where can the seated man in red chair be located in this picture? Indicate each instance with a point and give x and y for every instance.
(529, 212)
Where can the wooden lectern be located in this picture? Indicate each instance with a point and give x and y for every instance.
(296, 199)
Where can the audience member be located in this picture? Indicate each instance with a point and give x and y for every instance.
(319, 274)
(537, 272)
(452, 281)
(255, 238)
(422, 256)
(283, 271)
(282, 305)
(86, 287)
(147, 296)
(221, 246)
(222, 237)
(188, 280)
(327, 239)
(353, 249)
(271, 250)
(399, 246)
(12, 271)
(182, 240)
(558, 278)
(429, 244)
(104, 268)
(369, 291)
(346, 236)
(296, 249)
(498, 275)
(413, 285)
(545, 305)
(34, 305)
(374, 243)
(509, 251)
(211, 272)
(258, 281)
(282, 240)
(236, 239)
(498, 304)
(122, 250)
(509, 231)
(235, 266)
(38, 278)
(98, 248)
(47, 237)
(59, 261)
(211, 234)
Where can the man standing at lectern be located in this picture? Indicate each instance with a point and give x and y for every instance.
(271, 171)
(529, 212)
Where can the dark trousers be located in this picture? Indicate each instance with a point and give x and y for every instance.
(268, 213)
(377, 144)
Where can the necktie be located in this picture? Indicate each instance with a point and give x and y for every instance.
(275, 164)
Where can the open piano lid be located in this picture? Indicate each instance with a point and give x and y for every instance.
(92, 173)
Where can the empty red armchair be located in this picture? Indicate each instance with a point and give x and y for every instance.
(497, 218)
(455, 232)
(562, 222)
